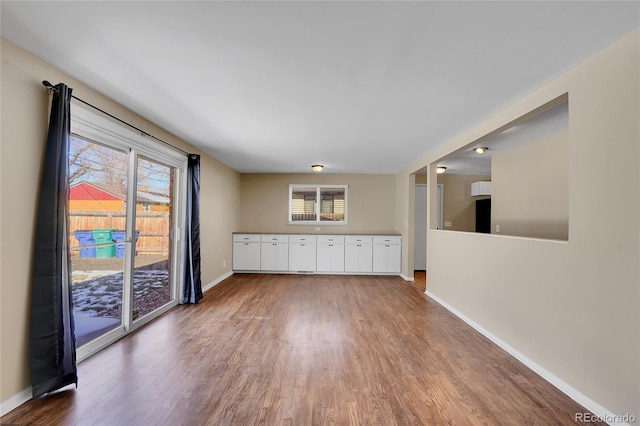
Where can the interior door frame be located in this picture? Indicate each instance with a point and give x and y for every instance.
(440, 201)
(425, 187)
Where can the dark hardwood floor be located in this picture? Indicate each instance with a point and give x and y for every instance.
(304, 350)
(420, 280)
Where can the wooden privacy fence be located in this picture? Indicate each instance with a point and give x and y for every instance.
(153, 227)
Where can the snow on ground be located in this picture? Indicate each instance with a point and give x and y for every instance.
(98, 292)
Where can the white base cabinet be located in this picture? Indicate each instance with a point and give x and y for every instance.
(339, 254)
(274, 254)
(386, 254)
(330, 253)
(246, 252)
(358, 253)
(302, 253)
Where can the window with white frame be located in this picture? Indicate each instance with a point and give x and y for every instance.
(318, 204)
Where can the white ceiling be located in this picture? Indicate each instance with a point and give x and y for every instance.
(362, 87)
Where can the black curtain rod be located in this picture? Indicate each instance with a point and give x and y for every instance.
(50, 86)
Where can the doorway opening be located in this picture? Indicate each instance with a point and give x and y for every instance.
(421, 231)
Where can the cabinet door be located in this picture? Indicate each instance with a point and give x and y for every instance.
(246, 256)
(253, 257)
(274, 257)
(267, 256)
(302, 257)
(295, 256)
(337, 257)
(323, 258)
(281, 261)
(350, 258)
(386, 258)
(365, 258)
(308, 257)
(380, 258)
(239, 256)
(393, 258)
(330, 257)
(358, 258)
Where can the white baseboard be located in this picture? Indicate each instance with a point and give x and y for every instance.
(217, 281)
(15, 401)
(597, 409)
(406, 278)
(25, 395)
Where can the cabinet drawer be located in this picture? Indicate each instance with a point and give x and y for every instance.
(302, 239)
(331, 239)
(275, 238)
(246, 238)
(358, 239)
(387, 240)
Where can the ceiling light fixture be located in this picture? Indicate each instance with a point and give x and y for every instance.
(481, 149)
(317, 167)
(441, 169)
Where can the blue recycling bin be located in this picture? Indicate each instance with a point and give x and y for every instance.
(118, 237)
(86, 239)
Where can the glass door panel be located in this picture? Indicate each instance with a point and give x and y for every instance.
(152, 287)
(97, 210)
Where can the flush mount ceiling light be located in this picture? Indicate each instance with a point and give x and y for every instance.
(441, 169)
(481, 149)
(317, 167)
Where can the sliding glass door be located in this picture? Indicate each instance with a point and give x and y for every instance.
(124, 204)
(152, 263)
(97, 200)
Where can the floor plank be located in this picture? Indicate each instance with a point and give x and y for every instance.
(304, 350)
(420, 280)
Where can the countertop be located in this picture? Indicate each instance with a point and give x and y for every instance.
(390, 234)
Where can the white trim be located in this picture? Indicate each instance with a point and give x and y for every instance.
(440, 206)
(88, 350)
(86, 122)
(93, 347)
(337, 273)
(217, 281)
(97, 128)
(406, 277)
(318, 188)
(126, 308)
(565, 388)
(15, 401)
(180, 229)
(314, 223)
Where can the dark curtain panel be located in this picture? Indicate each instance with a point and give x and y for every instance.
(192, 290)
(52, 348)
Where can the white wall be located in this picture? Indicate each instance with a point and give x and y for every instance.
(370, 203)
(530, 189)
(572, 308)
